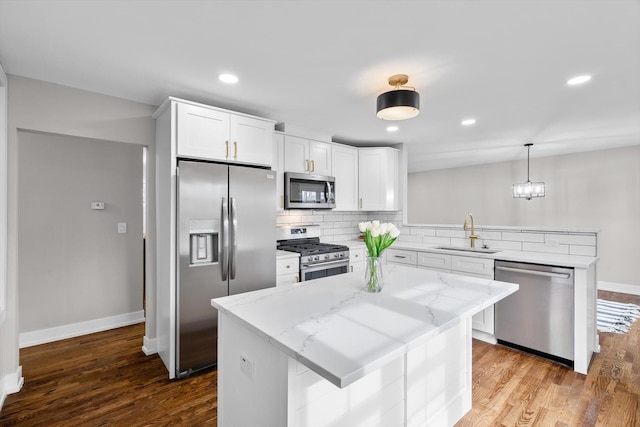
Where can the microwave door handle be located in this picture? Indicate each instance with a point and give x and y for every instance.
(328, 185)
(224, 230)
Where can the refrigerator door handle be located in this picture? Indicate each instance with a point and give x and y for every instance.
(233, 239)
(224, 238)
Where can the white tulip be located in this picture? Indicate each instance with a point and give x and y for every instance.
(362, 227)
(376, 223)
(394, 232)
(375, 231)
(384, 227)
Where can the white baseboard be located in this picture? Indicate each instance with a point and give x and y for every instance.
(149, 346)
(624, 288)
(11, 383)
(28, 339)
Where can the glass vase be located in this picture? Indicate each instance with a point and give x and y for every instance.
(373, 276)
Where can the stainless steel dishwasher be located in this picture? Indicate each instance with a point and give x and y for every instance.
(538, 317)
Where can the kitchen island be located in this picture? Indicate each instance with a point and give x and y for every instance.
(327, 353)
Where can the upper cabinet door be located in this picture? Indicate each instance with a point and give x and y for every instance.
(320, 158)
(251, 141)
(202, 133)
(296, 154)
(344, 163)
(378, 179)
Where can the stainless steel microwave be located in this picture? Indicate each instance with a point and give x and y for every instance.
(308, 191)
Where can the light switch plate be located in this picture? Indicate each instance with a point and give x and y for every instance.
(97, 205)
(122, 227)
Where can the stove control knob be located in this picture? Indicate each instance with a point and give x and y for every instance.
(326, 257)
(310, 258)
(341, 255)
(316, 258)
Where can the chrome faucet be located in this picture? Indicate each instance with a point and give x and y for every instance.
(472, 236)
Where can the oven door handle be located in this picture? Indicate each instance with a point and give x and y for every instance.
(344, 261)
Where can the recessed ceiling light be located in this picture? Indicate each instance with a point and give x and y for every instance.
(392, 128)
(578, 80)
(468, 122)
(228, 78)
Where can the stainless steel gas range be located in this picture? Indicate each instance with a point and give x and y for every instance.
(316, 259)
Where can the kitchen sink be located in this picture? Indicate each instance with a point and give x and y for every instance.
(464, 249)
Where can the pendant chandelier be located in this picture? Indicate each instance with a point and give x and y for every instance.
(528, 190)
(401, 103)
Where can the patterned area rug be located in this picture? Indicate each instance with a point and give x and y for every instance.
(616, 316)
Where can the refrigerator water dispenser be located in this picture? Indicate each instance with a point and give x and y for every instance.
(203, 236)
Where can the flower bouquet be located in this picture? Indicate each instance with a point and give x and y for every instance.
(377, 237)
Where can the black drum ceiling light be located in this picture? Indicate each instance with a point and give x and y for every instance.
(402, 103)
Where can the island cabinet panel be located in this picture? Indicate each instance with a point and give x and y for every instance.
(258, 385)
(375, 400)
(444, 383)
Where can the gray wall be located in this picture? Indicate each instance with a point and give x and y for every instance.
(45, 107)
(72, 263)
(598, 189)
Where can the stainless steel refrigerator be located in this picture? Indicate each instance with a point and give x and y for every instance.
(226, 245)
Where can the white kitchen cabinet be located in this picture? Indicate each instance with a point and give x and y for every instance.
(482, 268)
(433, 261)
(483, 323)
(307, 156)
(401, 256)
(378, 179)
(278, 166)
(357, 259)
(344, 169)
(287, 270)
(214, 134)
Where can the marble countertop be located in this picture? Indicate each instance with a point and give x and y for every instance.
(343, 333)
(575, 261)
(280, 254)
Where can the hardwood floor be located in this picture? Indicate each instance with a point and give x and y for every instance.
(104, 379)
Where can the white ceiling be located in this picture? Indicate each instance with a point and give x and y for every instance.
(321, 64)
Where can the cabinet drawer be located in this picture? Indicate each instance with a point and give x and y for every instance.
(477, 266)
(435, 261)
(287, 266)
(356, 266)
(287, 279)
(399, 256)
(356, 255)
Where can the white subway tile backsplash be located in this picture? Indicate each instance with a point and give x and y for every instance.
(523, 237)
(424, 232)
(436, 240)
(503, 244)
(582, 250)
(575, 239)
(409, 238)
(341, 226)
(541, 247)
(489, 235)
(460, 234)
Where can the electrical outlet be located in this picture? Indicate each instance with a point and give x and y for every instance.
(97, 205)
(122, 227)
(247, 366)
(552, 243)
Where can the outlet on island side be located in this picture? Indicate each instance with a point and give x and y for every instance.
(247, 366)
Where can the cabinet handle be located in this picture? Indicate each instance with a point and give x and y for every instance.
(313, 165)
(360, 202)
(288, 266)
(235, 149)
(282, 202)
(297, 279)
(400, 256)
(306, 168)
(226, 150)
(351, 267)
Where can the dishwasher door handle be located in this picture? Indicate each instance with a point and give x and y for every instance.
(535, 272)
